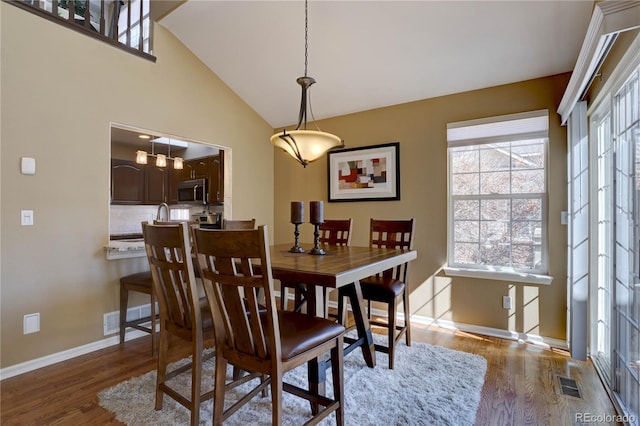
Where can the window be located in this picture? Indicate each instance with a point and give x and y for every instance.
(129, 25)
(497, 194)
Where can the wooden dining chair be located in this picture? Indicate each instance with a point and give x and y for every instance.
(238, 224)
(333, 232)
(182, 312)
(388, 287)
(236, 265)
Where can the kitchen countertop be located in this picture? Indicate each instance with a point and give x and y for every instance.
(122, 247)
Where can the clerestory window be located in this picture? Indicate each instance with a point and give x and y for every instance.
(498, 195)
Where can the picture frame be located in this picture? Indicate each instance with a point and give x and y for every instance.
(368, 173)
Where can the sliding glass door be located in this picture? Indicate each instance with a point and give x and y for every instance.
(626, 291)
(615, 291)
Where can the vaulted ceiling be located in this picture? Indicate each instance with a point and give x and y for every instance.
(370, 54)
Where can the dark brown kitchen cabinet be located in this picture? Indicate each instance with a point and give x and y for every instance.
(195, 169)
(161, 184)
(175, 177)
(210, 168)
(127, 182)
(216, 178)
(133, 183)
(156, 189)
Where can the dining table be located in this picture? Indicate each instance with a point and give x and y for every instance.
(340, 266)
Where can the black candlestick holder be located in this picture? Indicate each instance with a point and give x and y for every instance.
(316, 241)
(296, 245)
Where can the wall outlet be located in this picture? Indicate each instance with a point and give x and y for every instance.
(31, 323)
(564, 217)
(506, 302)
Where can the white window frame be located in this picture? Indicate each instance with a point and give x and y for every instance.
(512, 127)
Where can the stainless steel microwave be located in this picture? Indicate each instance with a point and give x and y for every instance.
(193, 191)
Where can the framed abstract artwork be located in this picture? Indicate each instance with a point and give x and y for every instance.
(369, 173)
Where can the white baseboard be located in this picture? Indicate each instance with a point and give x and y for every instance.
(546, 342)
(47, 360)
(534, 339)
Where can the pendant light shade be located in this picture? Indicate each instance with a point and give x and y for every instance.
(141, 157)
(161, 160)
(178, 163)
(305, 145)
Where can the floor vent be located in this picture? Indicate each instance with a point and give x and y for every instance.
(569, 387)
(111, 323)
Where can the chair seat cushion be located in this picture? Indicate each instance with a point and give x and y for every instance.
(381, 289)
(301, 332)
(141, 279)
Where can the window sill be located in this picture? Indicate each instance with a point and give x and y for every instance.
(518, 277)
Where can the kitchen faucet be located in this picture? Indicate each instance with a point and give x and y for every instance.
(158, 217)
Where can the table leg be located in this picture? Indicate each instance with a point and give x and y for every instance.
(317, 373)
(124, 299)
(317, 368)
(365, 338)
(315, 295)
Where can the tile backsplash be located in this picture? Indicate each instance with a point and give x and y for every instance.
(128, 219)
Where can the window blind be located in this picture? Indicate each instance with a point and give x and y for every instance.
(526, 125)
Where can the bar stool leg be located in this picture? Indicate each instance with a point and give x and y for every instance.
(153, 323)
(124, 300)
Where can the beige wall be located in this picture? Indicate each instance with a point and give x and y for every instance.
(60, 91)
(420, 127)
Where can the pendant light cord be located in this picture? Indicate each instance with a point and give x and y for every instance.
(306, 36)
(306, 62)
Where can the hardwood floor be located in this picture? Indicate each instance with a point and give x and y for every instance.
(521, 385)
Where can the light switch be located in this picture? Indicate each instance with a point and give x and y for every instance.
(28, 166)
(26, 217)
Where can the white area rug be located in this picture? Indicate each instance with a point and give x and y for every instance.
(430, 385)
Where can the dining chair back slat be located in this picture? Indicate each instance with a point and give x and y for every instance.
(397, 234)
(172, 276)
(232, 257)
(336, 232)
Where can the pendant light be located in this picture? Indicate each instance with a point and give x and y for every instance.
(161, 159)
(305, 145)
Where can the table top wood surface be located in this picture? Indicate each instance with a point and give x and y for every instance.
(342, 265)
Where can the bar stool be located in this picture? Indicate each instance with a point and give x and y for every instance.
(141, 282)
